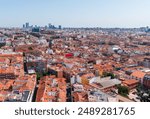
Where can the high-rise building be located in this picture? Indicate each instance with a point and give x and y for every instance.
(49, 25)
(59, 26)
(24, 26)
(27, 25)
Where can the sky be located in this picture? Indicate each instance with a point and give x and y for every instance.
(75, 13)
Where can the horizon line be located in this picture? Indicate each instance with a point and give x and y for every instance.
(85, 27)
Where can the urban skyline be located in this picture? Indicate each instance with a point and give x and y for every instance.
(76, 13)
(75, 51)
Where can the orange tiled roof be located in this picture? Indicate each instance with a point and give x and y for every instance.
(130, 81)
(87, 76)
(138, 74)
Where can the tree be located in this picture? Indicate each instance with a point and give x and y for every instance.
(45, 73)
(123, 90)
(39, 75)
(30, 48)
(143, 93)
(106, 74)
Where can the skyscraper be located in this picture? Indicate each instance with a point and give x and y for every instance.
(24, 26)
(49, 25)
(59, 26)
(27, 25)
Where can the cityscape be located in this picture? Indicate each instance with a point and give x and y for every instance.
(75, 51)
(55, 64)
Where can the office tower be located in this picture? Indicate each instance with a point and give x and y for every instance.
(49, 25)
(24, 26)
(59, 27)
(27, 25)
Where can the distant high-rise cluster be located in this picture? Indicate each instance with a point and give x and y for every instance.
(26, 25)
(49, 26)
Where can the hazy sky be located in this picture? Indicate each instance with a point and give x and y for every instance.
(76, 13)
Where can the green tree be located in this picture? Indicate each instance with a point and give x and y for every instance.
(39, 75)
(143, 93)
(106, 74)
(30, 48)
(123, 90)
(45, 74)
